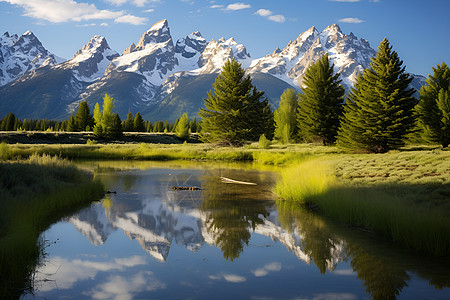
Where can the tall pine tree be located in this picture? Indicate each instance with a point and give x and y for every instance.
(106, 121)
(182, 129)
(83, 118)
(285, 117)
(379, 110)
(320, 104)
(433, 108)
(139, 124)
(128, 124)
(235, 111)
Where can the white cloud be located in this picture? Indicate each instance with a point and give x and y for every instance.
(237, 6)
(61, 273)
(269, 15)
(345, 0)
(139, 3)
(104, 24)
(228, 277)
(272, 267)
(216, 6)
(58, 11)
(263, 12)
(131, 20)
(351, 20)
(118, 287)
(277, 18)
(149, 10)
(87, 25)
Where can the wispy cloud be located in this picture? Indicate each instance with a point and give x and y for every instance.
(237, 6)
(139, 3)
(269, 15)
(351, 20)
(263, 12)
(272, 267)
(217, 6)
(228, 277)
(130, 19)
(59, 11)
(149, 10)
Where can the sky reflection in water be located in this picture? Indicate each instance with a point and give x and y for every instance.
(227, 240)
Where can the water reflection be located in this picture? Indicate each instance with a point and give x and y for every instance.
(383, 268)
(229, 216)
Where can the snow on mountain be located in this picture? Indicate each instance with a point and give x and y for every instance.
(349, 54)
(91, 61)
(188, 51)
(153, 57)
(20, 54)
(218, 52)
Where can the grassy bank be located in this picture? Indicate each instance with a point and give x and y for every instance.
(405, 196)
(34, 194)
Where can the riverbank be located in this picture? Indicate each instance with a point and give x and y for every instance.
(402, 195)
(35, 193)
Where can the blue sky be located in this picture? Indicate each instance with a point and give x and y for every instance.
(418, 30)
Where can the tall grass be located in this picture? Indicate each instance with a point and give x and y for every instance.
(34, 194)
(404, 207)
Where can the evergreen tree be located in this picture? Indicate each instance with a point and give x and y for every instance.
(71, 125)
(128, 124)
(148, 126)
(285, 117)
(158, 127)
(182, 129)
(9, 124)
(193, 125)
(138, 123)
(116, 130)
(433, 108)
(234, 112)
(379, 110)
(175, 124)
(320, 104)
(83, 118)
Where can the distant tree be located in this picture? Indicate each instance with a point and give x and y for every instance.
(148, 126)
(128, 124)
(158, 127)
(320, 104)
(71, 125)
(138, 123)
(116, 130)
(378, 113)
(193, 125)
(105, 125)
(433, 108)
(236, 111)
(285, 117)
(175, 124)
(182, 129)
(9, 124)
(83, 118)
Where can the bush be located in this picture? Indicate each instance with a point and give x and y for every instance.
(264, 143)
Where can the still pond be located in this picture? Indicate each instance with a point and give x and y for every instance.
(221, 241)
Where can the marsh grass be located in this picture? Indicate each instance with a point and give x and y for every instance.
(404, 196)
(34, 194)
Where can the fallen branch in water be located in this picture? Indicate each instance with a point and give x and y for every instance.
(228, 180)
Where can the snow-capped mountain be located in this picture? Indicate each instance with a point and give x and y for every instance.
(349, 54)
(91, 61)
(20, 54)
(157, 78)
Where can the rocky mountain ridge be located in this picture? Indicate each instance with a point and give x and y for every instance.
(155, 75)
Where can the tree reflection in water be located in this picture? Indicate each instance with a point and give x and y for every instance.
(383, 267)
(233, 210)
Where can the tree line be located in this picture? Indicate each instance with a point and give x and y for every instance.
(104, 123)
(378, 115)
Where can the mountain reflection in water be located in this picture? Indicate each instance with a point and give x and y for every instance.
(227, 216)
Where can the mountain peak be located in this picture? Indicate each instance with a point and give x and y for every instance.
(333, 28)
(96, 44)
(28, 32)
(158, 33)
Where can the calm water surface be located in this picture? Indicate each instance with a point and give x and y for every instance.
(225, 241)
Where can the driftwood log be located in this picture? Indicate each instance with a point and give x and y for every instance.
(185, 188)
